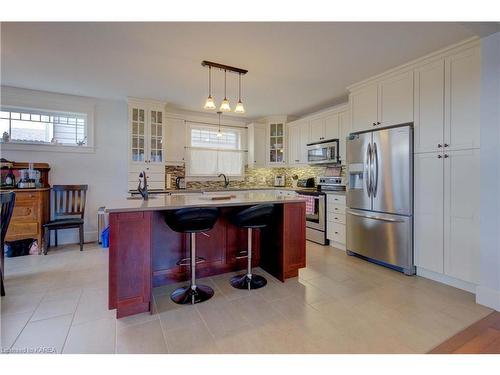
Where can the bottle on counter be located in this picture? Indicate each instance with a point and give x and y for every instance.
(10, 179)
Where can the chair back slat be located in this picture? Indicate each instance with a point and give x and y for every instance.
(8, 200)
(69, 200)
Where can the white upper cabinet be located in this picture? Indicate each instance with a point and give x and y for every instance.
(304, 140)
(294, 143)
(447, 103)
(462, 95)
(395, 100)
(324, 128)
(429, 107)
(364, 107)
(276, 138)
(344, 130)
(384, 103)
(429, 215)
(317, 133)
(331, 126)
(146, 133)
(257, 153)
(461, 215)
(176, 140)
(146, 143)
(298, 137)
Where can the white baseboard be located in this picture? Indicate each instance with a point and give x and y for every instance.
(448, 280)
(68, 236)
(488, 297)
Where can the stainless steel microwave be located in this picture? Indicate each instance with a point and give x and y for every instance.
(324, 152)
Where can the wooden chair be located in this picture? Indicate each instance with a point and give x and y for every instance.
(68, 207)
(8, 200)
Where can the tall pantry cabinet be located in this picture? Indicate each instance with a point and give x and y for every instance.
(446, 165)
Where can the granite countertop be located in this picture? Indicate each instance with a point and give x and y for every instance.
(201, 190)
(176, 201)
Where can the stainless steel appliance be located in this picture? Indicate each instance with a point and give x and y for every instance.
(180, 183)
(279, 181)
(379, 218)
(324, 152)
(315, 210)
(315, 215)
(331, 184)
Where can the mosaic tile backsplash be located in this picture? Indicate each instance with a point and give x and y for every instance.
(254, 177)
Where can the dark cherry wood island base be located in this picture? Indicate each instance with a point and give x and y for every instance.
(144, 252)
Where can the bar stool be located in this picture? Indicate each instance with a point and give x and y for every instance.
(255, 217)
(192, 221)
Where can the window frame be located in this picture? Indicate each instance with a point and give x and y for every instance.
(15, 99)
(241, 140)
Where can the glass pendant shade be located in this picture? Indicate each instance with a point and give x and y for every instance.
(239, 107)
(224, 106)
(209, 104)
(219, 134)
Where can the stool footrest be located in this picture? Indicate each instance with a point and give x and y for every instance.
(242, 254)
(187, 261)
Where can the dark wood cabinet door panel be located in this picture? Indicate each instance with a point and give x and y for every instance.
(130, 262)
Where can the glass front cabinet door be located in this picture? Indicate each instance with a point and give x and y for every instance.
(146, 134)
(276, 143)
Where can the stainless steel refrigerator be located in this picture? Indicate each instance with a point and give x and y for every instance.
(379, 218)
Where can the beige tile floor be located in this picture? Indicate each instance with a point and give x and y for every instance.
(338, 304)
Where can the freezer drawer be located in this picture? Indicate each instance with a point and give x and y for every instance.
(383, 237)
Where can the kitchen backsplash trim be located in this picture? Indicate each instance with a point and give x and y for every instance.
(254, 177)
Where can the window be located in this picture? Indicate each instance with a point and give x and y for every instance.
(44, 127)
(210, 155)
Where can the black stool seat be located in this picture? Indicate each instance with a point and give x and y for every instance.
(192, 220)
(255, 217)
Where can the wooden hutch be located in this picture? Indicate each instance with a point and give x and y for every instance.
(32, 208)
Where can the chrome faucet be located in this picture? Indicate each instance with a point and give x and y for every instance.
(226, 180)
(143, 188)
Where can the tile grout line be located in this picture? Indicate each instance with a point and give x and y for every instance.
(29, 320)
(71, 323)
(163, 329)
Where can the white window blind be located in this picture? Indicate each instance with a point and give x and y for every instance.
(210, 155)
(44, 127)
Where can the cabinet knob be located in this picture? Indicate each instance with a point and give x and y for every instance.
(446, 145)
(374, 124)
(440, 156)
(445, 156)
(336, 232)
(440, 145)
(378, 122)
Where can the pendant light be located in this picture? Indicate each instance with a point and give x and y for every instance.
(239, 106)
(209, 104)
(225, 107)
(219, 133)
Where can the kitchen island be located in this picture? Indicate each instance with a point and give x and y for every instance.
(144, 252)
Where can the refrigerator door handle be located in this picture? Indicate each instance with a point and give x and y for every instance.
(375, 178)
(368, 163)
(375, 217)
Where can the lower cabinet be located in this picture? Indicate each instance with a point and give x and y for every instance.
(31, 211)
(447, 213)
(335, 220)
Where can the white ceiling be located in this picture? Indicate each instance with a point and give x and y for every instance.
(294, 68)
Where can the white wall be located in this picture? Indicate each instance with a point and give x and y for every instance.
(104, 170)
(488, 292)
